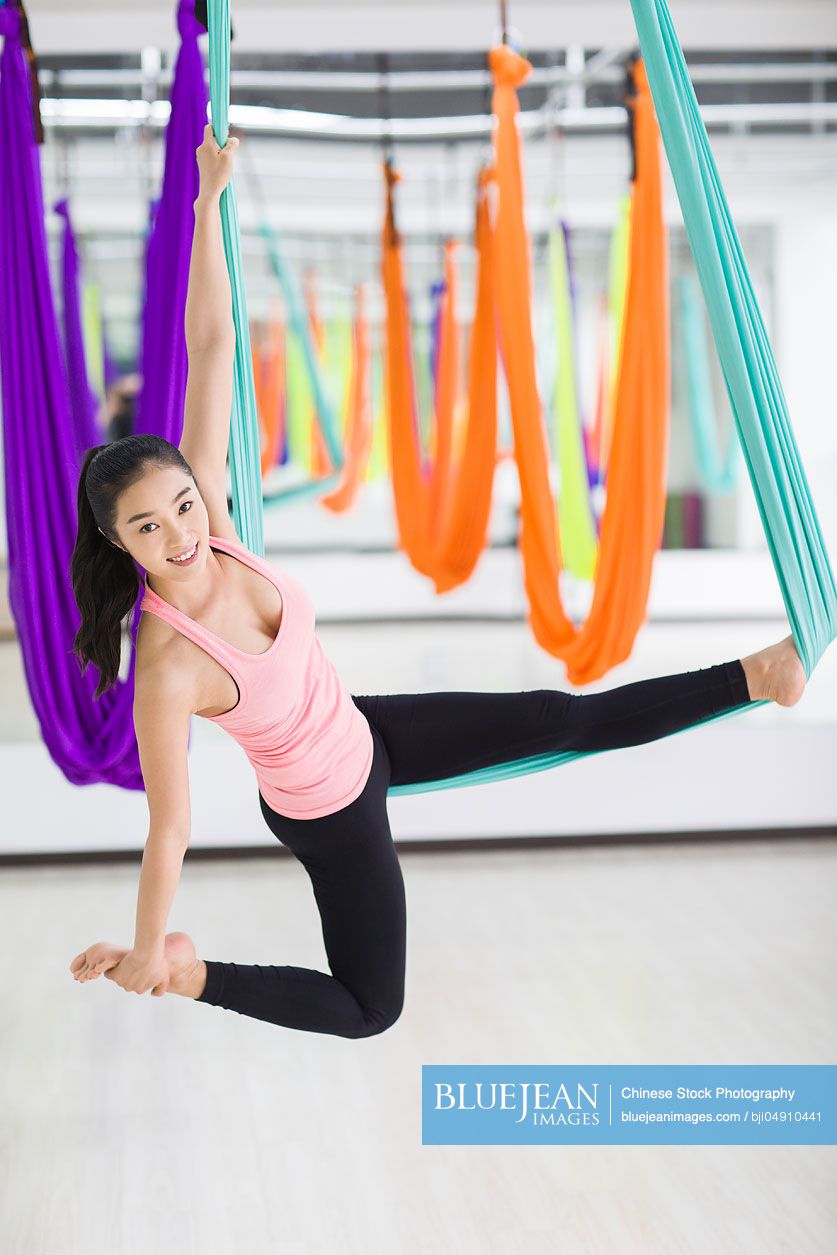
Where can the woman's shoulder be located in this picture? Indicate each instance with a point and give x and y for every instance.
(165, 656)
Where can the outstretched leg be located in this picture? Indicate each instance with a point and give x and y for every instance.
(359, 889)
(433, 736)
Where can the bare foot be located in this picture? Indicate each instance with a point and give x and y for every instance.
(96, 960)
(775, 674)
(187, 973)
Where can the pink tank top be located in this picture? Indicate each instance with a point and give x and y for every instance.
(310, 745)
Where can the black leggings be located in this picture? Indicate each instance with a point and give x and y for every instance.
(350, 857)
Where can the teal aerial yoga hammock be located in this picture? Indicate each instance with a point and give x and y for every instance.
(758, 404)
(794, 539)
(245, 455)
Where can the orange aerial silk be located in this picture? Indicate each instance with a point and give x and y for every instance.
(442, 509)
(631, 525)
(268, 380)
(358, 441)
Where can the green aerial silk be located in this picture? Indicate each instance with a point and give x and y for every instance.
(620, 240)
(782, 495)
(91, 321)
(575, 516)
(715, 475)
(338, 338)
(245, 450)
(301, 401)
(378, 464)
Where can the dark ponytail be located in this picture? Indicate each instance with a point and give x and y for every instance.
(105, 578)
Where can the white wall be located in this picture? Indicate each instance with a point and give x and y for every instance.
(727, 775)
(806, 347)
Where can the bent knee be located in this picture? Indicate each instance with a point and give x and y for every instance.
(376, 1022)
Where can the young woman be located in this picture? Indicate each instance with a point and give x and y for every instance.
(230, 637)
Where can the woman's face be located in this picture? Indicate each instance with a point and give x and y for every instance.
(160, 517)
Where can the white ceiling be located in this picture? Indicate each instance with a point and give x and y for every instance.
(58, 26)
(326, 197)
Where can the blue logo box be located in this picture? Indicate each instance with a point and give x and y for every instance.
(626, 1104)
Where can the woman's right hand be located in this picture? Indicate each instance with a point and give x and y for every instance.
(140, 971)
(215, 163)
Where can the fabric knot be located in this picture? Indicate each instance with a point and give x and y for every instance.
(507, 66)
(188, 26)
(10, 23)
(487, 174)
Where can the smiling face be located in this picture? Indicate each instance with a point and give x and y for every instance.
(160, 517)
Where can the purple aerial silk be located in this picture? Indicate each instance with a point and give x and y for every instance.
(84, 403)
(89, 740)
(163, 361)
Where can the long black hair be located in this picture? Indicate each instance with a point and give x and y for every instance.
(105, 578)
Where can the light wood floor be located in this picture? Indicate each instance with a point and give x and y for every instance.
(148, 1126)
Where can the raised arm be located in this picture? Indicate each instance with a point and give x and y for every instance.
(208, 298)
(210, 338)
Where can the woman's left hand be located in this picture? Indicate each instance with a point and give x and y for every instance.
(140, 971)
(214, 163)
